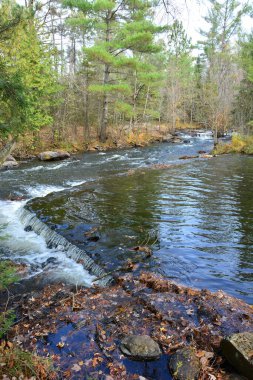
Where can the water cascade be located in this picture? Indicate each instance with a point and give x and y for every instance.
(53, 239)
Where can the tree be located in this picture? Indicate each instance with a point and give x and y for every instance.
(243, 105)
(122, 28)
(180, 75)
(221, 76)
(28, 83)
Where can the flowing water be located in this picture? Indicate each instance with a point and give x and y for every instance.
(196, 215)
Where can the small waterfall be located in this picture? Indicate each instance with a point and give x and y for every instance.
(53, 239)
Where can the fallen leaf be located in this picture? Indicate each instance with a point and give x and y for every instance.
(76, 368)
(60, 345)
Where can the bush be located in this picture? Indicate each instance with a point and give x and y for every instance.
(239, 144)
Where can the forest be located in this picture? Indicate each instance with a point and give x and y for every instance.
(126, 177)
(73, 71)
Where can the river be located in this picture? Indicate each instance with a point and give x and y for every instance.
(196, 215)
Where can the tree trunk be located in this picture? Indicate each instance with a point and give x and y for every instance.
(86, 126)
(104, 117)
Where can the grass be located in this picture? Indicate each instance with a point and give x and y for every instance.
(16, 364)
(239, 144)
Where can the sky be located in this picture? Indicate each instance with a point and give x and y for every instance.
(191, 13)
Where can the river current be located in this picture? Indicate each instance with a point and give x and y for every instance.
(196, 215)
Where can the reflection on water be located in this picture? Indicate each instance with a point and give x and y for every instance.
(198, 217)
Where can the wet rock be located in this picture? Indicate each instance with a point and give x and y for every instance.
(201, 152)
(238, 350)
(50, 260)
(140, 347)
(187, 157)
(184, 364)
(52, 156)
(28, 228)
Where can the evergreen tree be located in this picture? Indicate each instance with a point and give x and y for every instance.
(25, 59)
(121, 30)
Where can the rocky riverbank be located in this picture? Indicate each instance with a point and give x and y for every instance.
(103, 333)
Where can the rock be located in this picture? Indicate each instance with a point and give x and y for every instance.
(176, 140)
(235, 376)
(206, 156)
(201, 152)
(10, 158)
(140, 347)
(184, 364)
(167, 138)
(139, 145)
(52, 156)
(187, 157)
(238, 350)
(10, 162)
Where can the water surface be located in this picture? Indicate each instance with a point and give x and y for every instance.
(196, 216)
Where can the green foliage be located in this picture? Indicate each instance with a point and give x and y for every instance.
(119, 31)
(28, 83)
(110, 88)
(6, 320)
(7, 276)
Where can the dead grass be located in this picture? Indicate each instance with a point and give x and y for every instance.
(16, 363)
(239, 144)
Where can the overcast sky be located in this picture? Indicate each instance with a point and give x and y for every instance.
(192, 13)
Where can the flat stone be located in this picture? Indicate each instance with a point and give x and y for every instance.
(238, 350)
(52, 156)
(206, 156)
(187, 157)
(140, 347)
(184, 364)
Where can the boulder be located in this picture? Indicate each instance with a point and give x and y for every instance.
(140, 347)
(184, 364)
(52, 156)
(10, 158)
(176, 140)
(10, 162)
(167, 138)
(238, 350)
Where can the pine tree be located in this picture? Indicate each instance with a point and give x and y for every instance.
(121, 30)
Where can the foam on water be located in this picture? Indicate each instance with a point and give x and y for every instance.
(75, 183)
(42, 190)
(31, 249)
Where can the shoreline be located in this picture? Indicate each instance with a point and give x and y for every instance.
(92, 322)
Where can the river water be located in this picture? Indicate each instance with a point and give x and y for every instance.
(196, 215)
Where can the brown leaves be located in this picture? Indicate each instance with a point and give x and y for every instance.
(148, 251)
